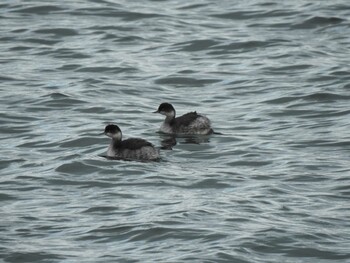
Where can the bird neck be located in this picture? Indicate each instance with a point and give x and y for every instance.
(169, 117)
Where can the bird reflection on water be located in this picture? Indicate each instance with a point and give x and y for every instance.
(168, 141)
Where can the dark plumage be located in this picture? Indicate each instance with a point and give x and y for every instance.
(129, 149)
(185, 119)
(189, 123)
(166, 107)
(111, 128)
(132, 144)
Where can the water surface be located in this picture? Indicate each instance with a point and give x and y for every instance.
(272, 76)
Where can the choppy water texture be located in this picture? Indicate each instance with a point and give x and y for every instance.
(274, 78)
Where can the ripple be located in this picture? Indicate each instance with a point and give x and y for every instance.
(240, 47)
(209, 183)
(107, 69)
(196, 45)
(115, 13)
(31, 257)
(20, 48)
(129, 39)
(6, 197)
(318, 97)
(273, 77)
(101, 210)
(80, 142)
(57, 100)
(183, 81)
(69, 67)
(239, 15)
(318, 21)
(76, 167)
(57, 32)
(39, 9)
(7, 78)
(48, 42)
(192, 6)
(250, 163)
(65, 53)
(317, 253)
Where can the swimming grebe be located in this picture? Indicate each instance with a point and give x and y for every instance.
(129, 149)
(189, 123)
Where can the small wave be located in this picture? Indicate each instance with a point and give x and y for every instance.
(65, 53)
(6, 197)
(183, 81)
(69, 67)
(39, 10)
(343, 190)
(318, 21)
(20, 48)
(319, 96)
(320, 143)
(239, 15)
(94, 110)
(160, 233)
(58, 100)
(298, 252)
(209, 183)
(341, 73)
(48, 42)
(77, 167)
(80, 142)
(32, 257)
(100, 209)
(250, 163)
(216, 47)
(196, 45)
(6, 78)
(290, 70)
(240, 47)
(325, 96)
(113, 28)
(56, 95)
(36, 144)
(106, 69)
(243, 15)
(192, 6)
(57, 32)
(115, 13)
(129, 39)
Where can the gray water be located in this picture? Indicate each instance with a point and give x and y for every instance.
(274, 78)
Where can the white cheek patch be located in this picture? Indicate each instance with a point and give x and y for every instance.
(168, 113)
(117, 136)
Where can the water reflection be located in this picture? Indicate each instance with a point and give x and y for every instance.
(168, 141)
